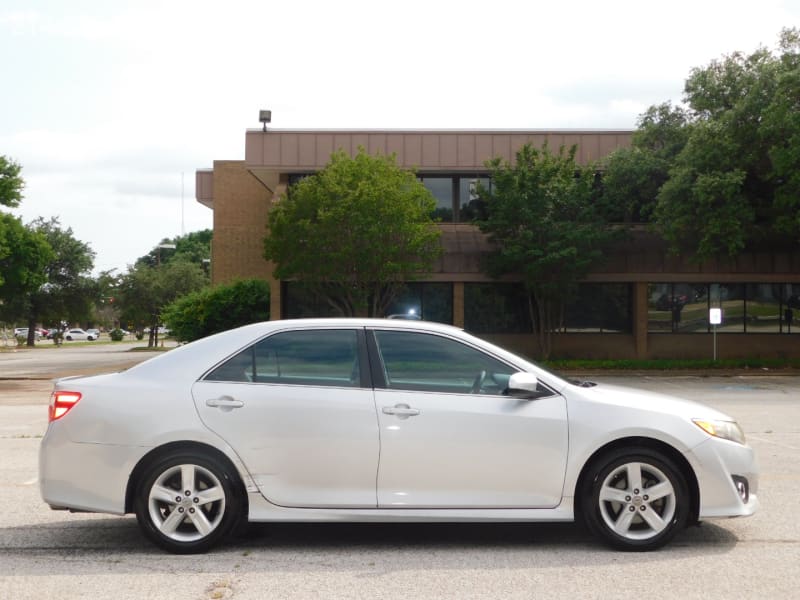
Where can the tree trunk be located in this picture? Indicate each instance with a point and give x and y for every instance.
(539, 310)
(31, 341)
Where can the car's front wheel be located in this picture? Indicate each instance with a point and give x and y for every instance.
(635, 499)
(186, 503)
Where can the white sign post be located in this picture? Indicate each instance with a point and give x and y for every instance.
(715, 318)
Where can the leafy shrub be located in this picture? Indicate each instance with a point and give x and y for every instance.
(116, 335)
(140, 335)
(217, 308)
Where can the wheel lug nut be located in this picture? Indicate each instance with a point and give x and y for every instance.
(188, 492)
(643, 508)
(191, 510)
(645, 497)
(180, 510)
(636, 491)
(177, 498)
(632, 508)
(196, 500)
(627, 498)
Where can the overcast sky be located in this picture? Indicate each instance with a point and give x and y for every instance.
(110, 107)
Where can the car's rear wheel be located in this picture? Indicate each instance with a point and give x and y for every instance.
(69, 338)
(186, 503)
(635, 499)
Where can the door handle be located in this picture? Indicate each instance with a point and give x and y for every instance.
(400, 410)
(224, 402)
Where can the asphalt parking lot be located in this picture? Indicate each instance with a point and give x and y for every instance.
(47, 554)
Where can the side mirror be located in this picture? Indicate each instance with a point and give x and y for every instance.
(524, 386)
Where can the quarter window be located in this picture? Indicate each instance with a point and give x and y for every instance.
(317, 358)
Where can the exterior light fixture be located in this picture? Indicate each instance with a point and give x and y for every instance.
(265, 116)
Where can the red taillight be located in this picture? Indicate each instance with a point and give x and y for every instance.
(61, 403)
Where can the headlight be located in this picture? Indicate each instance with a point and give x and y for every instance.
(727, 430)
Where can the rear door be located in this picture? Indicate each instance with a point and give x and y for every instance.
(299, 410)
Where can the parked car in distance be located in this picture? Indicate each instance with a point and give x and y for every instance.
(381, 420)
(161, 330)
(94, 332)
(22, 332)
(78, 335)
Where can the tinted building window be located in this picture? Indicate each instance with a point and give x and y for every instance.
(496, 308)
(677, 307)
(746, 308)
(599, 308)
(763, 308)
(429, 301)
(470, 204)
(301, 301)
(442, 190)
(730, 298)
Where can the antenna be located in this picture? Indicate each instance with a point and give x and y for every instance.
(183, 225)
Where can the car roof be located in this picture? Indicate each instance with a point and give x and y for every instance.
(203, 353)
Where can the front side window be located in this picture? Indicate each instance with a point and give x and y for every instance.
(307, 357)
(430, 363)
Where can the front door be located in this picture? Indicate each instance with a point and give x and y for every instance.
(451, 439)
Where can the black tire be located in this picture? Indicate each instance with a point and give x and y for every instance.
(205, 491)
(69, 338)
(615, 504)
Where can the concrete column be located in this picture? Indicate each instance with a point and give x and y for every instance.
(458, 304)
(274, 299)
(640, 317)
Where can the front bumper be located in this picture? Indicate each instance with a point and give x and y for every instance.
(727, 478)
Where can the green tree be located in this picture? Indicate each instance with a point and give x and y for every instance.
(11, 182)
(24, 256)
(633, 177)
(734, 182)
(68, 292)
(194, 247)
(781, 125)
(106, 310)
(544, 228)
(214, 309)
(145, 291)
(354, 232)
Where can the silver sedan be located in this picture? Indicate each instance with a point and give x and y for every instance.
(382, 420)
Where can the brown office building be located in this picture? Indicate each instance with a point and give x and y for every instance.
(642, 303)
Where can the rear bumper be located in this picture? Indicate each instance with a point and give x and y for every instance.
(84, 477)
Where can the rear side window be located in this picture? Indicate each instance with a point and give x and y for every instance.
(318, 358)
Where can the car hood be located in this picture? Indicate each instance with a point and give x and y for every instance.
(614, 395)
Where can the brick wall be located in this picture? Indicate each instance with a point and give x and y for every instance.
(241, 204)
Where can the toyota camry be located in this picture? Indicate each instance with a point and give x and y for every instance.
(382, 421)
